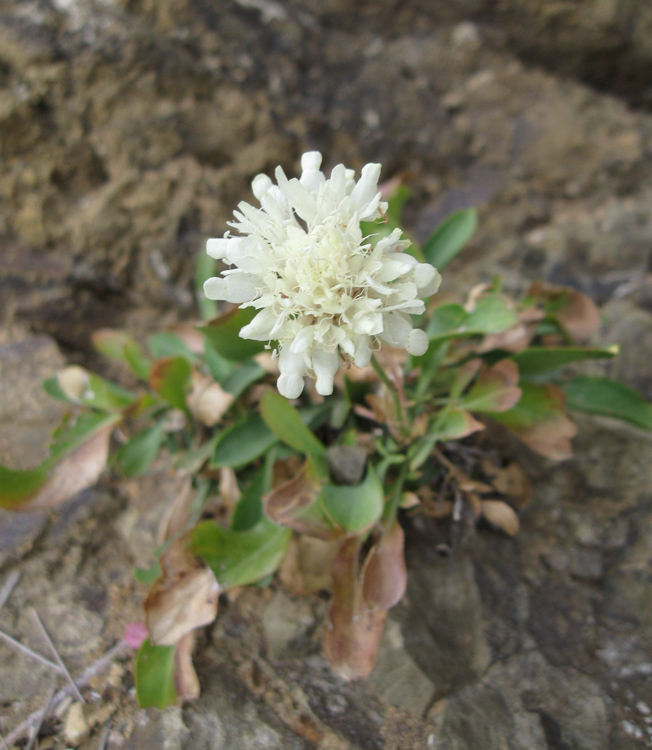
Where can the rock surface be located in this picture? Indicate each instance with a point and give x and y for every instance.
(128, 132)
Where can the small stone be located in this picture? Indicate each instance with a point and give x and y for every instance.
(347, 463)
(76, 728)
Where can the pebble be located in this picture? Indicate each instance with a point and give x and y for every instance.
(76, 728)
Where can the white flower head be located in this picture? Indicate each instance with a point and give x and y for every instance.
(323, 291)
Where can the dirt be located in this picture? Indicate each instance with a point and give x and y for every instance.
(128, 133)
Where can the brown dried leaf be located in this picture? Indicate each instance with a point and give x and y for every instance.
(580, 317)
(267, 362)
(292, 504)
(185, 677)
(176, 514)
(352, 631)
(514, 339)
(552, 438)
(474, 295)
(510, 481)
(79, 470)
(182, 599)
(229, 489)
(577, 313)
(496, 389)
(384, 575)
(207, 401)
(306, 568)
(501, 515)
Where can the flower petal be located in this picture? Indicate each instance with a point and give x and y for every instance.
(325, 365)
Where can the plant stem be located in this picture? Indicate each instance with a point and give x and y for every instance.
(391, 506)
(390, 387)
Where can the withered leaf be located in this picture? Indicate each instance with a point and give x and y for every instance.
(384, 575)
(540, 422)
(79, 470)
(177, 512)
(294, 504)
(510, 481)
(185, 677)
(306, 568)
(501, 515)
(575, 312)
(496, 388)
(352, 631)
(182, 599)
(208, 401)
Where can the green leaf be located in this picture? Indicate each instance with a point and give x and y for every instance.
(148, 575)
(286, 423)
(220, 368)
(450, 237)
(446, 319)
(137, 360)
(94, 391)
(239, 380)
(224, 334)
(17, 486)
(493, 313)
(154, 675)
(205, 269)
(120, 345)
(354, 508)
(249, 510)
(244, 443)
(240, 557)
(609, 398)
(191, 461)
(111, 342)
(538, 359)
(170, 378)
(168, 344)
(134, 457)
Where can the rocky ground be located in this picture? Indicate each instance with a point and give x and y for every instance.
(128, 131)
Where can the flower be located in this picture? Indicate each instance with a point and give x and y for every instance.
(324, 292)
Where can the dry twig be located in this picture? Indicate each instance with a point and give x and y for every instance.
(83, 681)
(55, 653)
(8, 587)
(28, 651)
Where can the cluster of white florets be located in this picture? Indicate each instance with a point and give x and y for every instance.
(325, 293)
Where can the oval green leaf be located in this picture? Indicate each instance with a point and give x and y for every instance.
(135, 456)
(354, 508)
(244, 443)
(538, 359)
(238, 558)
(288, 426)
(608, 398)
(154, 675)
(445, 243)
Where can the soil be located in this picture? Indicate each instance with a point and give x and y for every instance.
(129, 130)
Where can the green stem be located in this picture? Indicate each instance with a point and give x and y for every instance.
(390, 387)
(391, 506)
